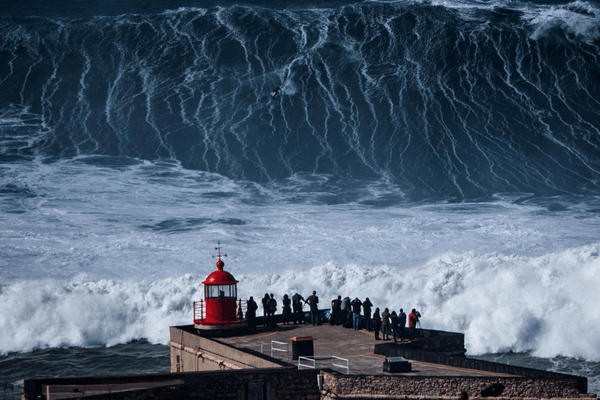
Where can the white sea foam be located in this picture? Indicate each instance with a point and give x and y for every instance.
(85, 312)
(502, 303)
(578, 18)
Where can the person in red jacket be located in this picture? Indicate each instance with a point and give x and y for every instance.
(413, 319)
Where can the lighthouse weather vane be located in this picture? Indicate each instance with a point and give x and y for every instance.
(219, 255)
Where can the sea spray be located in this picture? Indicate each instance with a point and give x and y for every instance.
(87, 313)
(501, 303)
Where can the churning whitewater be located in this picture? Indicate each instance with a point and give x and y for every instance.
(501, 303)
(442, 155)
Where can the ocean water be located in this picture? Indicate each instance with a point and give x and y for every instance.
(438, 155)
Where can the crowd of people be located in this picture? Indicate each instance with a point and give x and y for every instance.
(348, 313)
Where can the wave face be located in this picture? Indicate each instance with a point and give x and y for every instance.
(453, 100)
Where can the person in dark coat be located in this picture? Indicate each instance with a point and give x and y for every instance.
(313, 302)
(376, 323)
(402, 324)
(394, 324)
(251, 308)
(367, 311)
(271, 308)
(345, 311)
(385, 324)
(265, 312)
(336, 305)
(297, 300)
(356, 305)
(287, 309)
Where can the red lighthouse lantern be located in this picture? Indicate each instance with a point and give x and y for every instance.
(220, 308)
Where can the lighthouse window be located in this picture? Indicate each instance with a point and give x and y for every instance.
(221, 291)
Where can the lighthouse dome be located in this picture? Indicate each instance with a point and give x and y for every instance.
(220, 277)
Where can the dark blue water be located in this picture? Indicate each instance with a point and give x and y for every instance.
(135, 357)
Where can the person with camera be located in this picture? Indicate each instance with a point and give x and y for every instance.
(413, 320)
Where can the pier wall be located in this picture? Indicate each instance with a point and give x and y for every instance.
(391, 350)
(289, 383)
(192, 352)
(441, 342)
(268, 384)
(336, 386)
(208, 367)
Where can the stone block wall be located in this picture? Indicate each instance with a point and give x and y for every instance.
(358, 387)
(289, 383)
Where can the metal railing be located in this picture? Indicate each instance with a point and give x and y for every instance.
(198, 307)
(242, 307)
(273, 348)
(311, 362)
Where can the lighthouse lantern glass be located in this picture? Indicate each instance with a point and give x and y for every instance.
(220, 291)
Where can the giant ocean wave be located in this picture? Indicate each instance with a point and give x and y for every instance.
(454, 100)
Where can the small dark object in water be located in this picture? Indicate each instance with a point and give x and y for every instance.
(495, 389)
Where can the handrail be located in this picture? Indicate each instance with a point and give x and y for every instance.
(286, 350)
(309, 359)
(273, 348)
(313, 361)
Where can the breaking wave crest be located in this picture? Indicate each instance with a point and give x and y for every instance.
(501, 303)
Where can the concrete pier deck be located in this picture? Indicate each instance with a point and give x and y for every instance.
(239, 366)
(355, 346)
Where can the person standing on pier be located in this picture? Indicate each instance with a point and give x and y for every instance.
(313, 302)
(345, 310)
(265, 310)
(367, 311)
(376, 323)
(271, 308)
(251, 308)
(402, 324)
(385, 324)
(297, 300)
(394, 325)
(356, 305)
(413, 320)
(336, 306)
(287, 309)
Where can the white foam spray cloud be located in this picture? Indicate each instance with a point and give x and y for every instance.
(85, 312)
(578, 18)
(502, 303)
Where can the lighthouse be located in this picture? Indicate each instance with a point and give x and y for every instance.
(220, 309)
